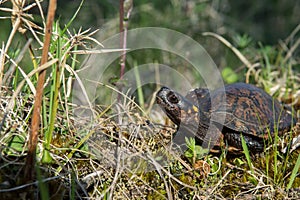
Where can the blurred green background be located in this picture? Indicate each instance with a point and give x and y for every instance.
(243, 23)
(265, 21)
(248, 25)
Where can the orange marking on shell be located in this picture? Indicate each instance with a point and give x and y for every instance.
(195, 108)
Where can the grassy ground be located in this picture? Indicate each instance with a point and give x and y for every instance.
(127, 154)
(146, 168)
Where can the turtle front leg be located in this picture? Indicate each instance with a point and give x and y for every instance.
(233, 139)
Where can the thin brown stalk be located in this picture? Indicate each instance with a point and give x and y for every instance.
(123, 57)
(2, 61)
(125, 11)
(35, 122)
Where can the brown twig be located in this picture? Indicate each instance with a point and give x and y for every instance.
(125, 11)
(123, 57)
(35, 122)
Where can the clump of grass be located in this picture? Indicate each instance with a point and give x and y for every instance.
(17, 106)
(275, 70)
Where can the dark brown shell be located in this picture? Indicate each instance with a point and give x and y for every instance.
(245, 108)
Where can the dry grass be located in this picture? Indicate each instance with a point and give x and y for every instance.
(133, 160)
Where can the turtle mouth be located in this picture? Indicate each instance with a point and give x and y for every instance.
(159, 100)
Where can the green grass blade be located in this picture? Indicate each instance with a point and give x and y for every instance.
(247, 154)
(43, 189)
(294, 173)
(73, 18)
(139, 88)
(54, 91)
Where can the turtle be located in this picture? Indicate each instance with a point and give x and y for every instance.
(220, 117)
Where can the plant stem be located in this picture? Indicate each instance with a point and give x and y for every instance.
(35, 122)
(125, 11)
(122, 42)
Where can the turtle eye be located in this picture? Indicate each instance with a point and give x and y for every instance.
(172, 97)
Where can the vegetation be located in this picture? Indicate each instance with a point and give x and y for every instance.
(126, 152)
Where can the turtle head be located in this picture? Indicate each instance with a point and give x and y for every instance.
(177, 107)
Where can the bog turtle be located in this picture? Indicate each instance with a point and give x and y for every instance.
(229, 112)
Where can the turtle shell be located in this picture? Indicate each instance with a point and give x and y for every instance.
(243, 108)
(233, 110)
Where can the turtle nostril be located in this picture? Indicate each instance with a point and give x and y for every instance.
(172, 97)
